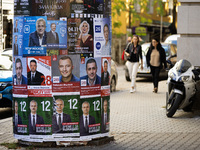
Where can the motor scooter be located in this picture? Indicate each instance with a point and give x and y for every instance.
(182, 79)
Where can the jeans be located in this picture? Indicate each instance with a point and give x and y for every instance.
(132, 68)
(155, 71)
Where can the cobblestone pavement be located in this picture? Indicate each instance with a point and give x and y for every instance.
(138, 121)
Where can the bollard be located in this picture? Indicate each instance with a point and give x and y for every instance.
(61, 71)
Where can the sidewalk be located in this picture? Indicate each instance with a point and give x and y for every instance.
(138, 121)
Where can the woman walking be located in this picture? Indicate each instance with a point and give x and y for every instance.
(133, 52)
(156, 57)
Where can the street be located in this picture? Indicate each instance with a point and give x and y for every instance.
(138, 121)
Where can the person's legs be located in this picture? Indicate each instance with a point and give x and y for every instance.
(130, 68)
(153, 75)
(134, 73)
(156, 77)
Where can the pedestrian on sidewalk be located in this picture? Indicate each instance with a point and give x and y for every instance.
(156, 57)
(133, 52)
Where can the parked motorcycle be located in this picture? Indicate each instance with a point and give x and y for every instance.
(182, 79)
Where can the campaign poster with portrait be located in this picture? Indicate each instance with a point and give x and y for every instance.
(105, 76)
(56, 34)
(102, 40)
(20, 117)
(35, 36)
(66, 74)
(18, 36)
(22, 7)
(39, 76)
(19, 77)
(40, 116)
(90, 117)
(90, 80)
(105, 115)
(53, 9)
(65, 118)
(80, 35)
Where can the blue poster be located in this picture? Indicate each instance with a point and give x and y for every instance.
(102, 40)
(56, 34)
(18, 36)
(35, 36)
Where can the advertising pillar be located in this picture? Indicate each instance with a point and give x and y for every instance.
(61, 69)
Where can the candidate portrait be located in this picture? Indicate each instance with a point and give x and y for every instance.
(18, 78)
(65, 65)
(34, 77)
(52, 35)
(15, 46)
(34, 118)
(59, 117)
(16, 26)
(38, 37)
(104, 116)
(91, 69)
(105, 75)
(86, 119)
(106, 48)
(17, 119)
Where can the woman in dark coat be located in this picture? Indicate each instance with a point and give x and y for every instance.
(156, 58)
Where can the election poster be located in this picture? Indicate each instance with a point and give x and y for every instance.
(22, 7)
(18, 36)
(102, 40)
(35, 36)
(20, 117)
(19, 77)
(39, 76)
(90, 117)
(90, 80)
(66, 74)
(105, 76)
(80, 35)
(53, 9)
(56, 34)
(105, 115)
(65, 118)
(40, 116)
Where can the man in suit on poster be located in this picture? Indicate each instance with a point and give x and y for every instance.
(85, 119)
(59, 117)
(18, 78)
(34, 118)
(16, 28)
(15, 46)
(105, 76)
(38, 37)
(17, 118)
(52, 35)
(91, 78)
(104, 116)
(34, 77)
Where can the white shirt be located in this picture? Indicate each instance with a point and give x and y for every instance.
(90, 84)
(32, 75)
(16, 119)
(106, 49)
(85, 118)
(32, 118)
(40, 39)
(57, 118)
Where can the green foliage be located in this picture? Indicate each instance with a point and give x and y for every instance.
(119, 6)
